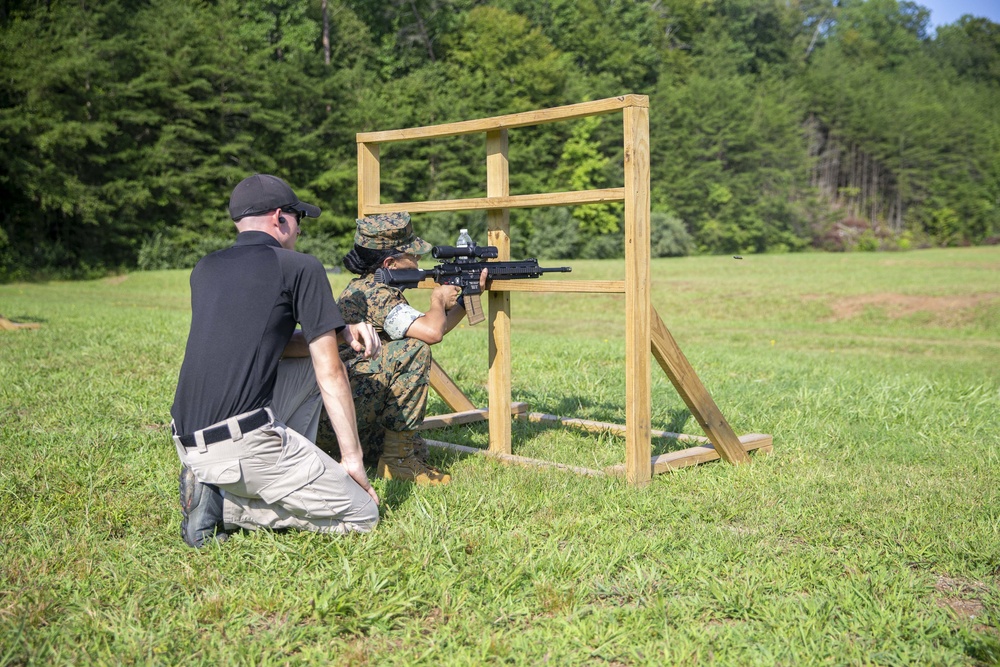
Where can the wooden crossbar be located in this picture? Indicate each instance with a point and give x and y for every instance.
(509, 121)
(467, 417)
(8, 325)
(548, 285)
(660, 464)
(510, 201)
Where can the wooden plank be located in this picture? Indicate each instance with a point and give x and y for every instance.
(7, 325)
(449, 392)
(546, 285)
(369, 178)
(498, 234)
(467, 416)
(523, 119)
(638, 380)
(693, 392)
(510, 458)
(572, 198)
(698, 455)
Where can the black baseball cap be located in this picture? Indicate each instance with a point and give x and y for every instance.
(261, 193)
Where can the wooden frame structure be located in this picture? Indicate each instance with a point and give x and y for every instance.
(645, 332)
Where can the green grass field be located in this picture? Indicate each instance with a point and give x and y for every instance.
(871, 535)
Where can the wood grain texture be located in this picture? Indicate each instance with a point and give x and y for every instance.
(573, 198)
(523, 119)
(638, 380)
(498, 234)
(449, 392)
(546, 284)
(369, 178)
(698, 455)
(466, 416)
(693, 393)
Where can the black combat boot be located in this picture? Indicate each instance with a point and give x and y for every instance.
(201, 507)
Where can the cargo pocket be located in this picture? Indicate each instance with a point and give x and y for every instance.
(223, 472)
(306, 468)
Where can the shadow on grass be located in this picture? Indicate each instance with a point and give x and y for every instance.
(20, 321)
(577, 407)
(395, 493)
(475, 434)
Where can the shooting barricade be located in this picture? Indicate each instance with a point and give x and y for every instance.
(645, 332)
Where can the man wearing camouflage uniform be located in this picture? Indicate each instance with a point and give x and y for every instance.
(390, 391)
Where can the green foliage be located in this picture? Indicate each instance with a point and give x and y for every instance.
(972, 47)
(126, 121)
(177, 250)
(668, 236)
(582, 167)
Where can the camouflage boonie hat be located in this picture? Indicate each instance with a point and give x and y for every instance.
(390, 231)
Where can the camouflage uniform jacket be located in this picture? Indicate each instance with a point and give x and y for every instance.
(384, 307)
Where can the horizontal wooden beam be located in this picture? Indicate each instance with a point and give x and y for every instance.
(543, 285)
(7, 325)
(572, 198)
(466, 417)
(523, 119)
(511, 458)
(697, 455)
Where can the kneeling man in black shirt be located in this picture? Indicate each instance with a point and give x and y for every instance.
(250, 390)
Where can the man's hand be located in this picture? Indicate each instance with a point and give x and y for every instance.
(356, 470)
(363, 338)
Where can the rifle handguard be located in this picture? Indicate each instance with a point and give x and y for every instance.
(464, 273)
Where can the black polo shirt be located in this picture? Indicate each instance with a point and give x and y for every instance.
(245, 303)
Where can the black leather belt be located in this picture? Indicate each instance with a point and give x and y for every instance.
(214, 434)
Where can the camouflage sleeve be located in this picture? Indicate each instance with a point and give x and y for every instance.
(399, 320)
(380, 301)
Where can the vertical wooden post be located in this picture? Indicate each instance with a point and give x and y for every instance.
(498, 225)
(369, 178)
(638, 415)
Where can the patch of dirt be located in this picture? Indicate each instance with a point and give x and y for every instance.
(958, 597)
(116, 280)
(944, 309)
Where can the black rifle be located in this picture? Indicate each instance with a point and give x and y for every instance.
(464, 272)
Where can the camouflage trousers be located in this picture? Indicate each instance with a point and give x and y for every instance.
(390, 394)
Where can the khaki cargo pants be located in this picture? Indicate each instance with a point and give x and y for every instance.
(274, 476)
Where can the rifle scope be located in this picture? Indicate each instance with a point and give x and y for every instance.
(447, 251)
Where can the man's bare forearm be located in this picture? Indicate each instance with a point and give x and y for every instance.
(335, 389)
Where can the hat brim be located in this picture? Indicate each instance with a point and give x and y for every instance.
(307, 210)
(417, 246)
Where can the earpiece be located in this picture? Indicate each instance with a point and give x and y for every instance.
(282, 220)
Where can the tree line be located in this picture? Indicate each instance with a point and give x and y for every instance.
(775, 125)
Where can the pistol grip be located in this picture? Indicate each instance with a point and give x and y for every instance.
(473, 309)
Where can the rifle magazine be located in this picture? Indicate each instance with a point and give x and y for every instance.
(473, 309)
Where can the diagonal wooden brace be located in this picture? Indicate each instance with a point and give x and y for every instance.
(449, 392)
(693, 392)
